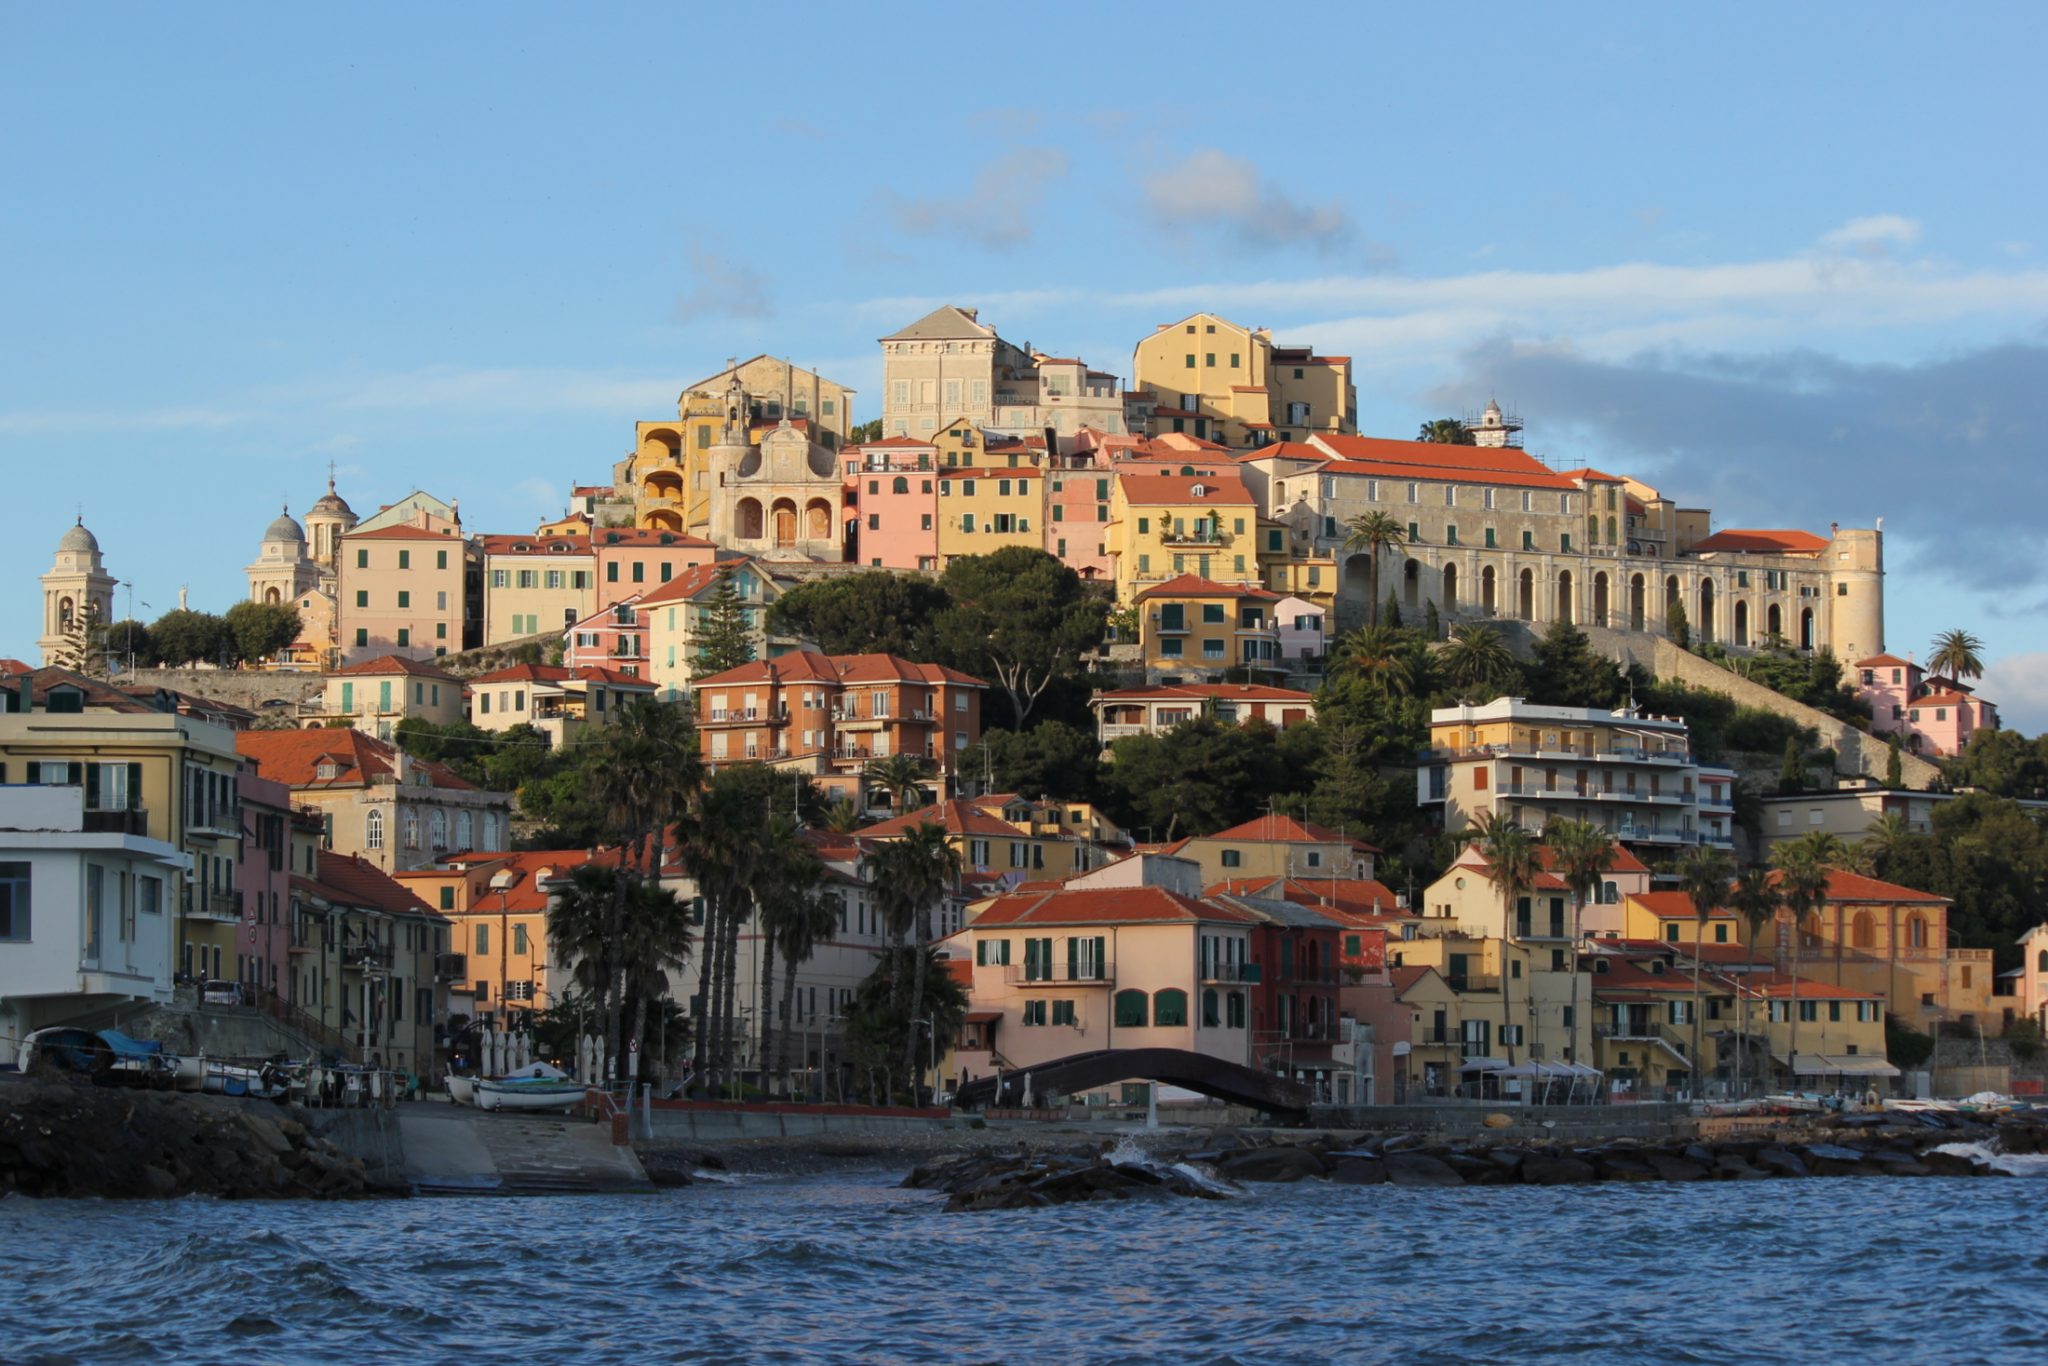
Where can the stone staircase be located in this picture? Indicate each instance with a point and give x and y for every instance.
(454, 1150)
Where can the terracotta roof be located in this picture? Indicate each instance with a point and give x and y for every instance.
(1365, 897)
(892, 441)
(1592, 475)
(1675, 906)
(1404, 979)
(1884, 662)
(1765, 542)
(688, 584)
(293, 757)
(801, 665)
(1847, 886)
(592, 491)
(556, 674)
(356, 882)
(535, 545)
(98, 696)
(400, 533)
(14, 666)
(1282, 829)
(1943, 699)
(1154, 490)
(1778, 985)
(1106, 906)
(1195, 586)
(396, 664)
(957, 816)
(528, 868)
(628, 538)
(1440, 461)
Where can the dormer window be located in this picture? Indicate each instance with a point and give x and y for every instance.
(325, 770)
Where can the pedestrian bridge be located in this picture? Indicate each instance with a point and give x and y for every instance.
(1198, 1072)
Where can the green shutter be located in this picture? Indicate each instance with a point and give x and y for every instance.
(135, 787)
(1073, 957)
(92, 786)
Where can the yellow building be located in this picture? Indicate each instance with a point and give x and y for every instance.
(674, 616)
(991, 846)
(376, 694)
(1222, 382)
(982, 511)
(1190, 626)
(1164, 525)
(536, 585)
(1277, 846)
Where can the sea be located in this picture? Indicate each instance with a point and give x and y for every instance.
(849, 1267)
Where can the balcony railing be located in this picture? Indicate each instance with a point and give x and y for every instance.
(451, 967)
(1210, 536)
(368, 957)
(205, 904)
(745, 716)
(1575, 754)
(1059, 974)
(129, 821)
(1227, 973)
(1473, 981)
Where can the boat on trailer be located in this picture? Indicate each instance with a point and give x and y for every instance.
(536, 1086)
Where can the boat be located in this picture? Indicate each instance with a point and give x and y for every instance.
(108, 1056)
(536, 1086)
(266, 1081)
(462, 1088)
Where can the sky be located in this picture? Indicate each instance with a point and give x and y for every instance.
(1785, 262)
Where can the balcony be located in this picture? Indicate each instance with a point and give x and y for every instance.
(1118, 730)
(1227, 974)
(744, 716)
(221, 825)
(224, 908)
(1195, 536)
(1473, 981)
(451, 967)
(1529, 929)
(367, 957)
(131, 821)
(1575, 754)
(846, 720)
(1059, 974)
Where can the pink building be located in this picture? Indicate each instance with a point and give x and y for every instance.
(1303, 628)
(1154, 710)
(631, 560)
(263, 878)
(891, 492)
(1930, 714)
(1077, 517)
(613, 637)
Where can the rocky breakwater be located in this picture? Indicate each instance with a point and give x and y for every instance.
(1867, 1145)
(61, 1139)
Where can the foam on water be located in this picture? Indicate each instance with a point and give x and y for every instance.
(2015, 1164)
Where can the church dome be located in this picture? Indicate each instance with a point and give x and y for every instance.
(79, 539)
(284, 529)
(332, 504)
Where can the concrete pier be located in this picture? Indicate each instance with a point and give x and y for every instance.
(455, 1150)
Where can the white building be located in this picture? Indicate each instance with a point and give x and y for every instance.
(87, 911)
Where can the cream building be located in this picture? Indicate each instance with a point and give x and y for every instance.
(76, 585)
(282, 571)
(535, 585)
(403, 589)
(1214, 379)
(949, 366)
(777, 388)
(374, 695)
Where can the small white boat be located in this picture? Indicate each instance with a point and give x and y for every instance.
(536, 1086)
(462, 1088)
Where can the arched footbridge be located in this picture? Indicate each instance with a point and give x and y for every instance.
(1197, 1072)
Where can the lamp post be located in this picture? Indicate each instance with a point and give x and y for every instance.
(931, 1040)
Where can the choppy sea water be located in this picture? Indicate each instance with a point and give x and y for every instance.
(849, 1268)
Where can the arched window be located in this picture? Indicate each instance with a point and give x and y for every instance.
(490, 830)
(1130, 1009)
(1170, 1007)
(899, 485)
(411, 818)
(1863, 931)
(373, 830)
(1212, 1004)
(437, 828)
(465, 830)
(2041, 963)
(1610, 895)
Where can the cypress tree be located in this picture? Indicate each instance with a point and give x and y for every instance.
(723, 639)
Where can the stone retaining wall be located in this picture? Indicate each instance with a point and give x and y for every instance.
(1574, 1122)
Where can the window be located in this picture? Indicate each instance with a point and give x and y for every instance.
(447, 898)
(373, 830)
(404, 636)
(1212, 1012)
(483, 937)
(1191, 361)
(1034, 1013)
(362, 598)
(405, 559)
(1170, 1007)
(1063, 1013)
(1130, 1009)
(14, 902)
(989, 953)
(404, 598)
(519, 939)
(440, 559)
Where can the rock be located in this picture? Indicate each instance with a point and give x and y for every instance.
(1271, 1164)
(1951, 1164)
(1508, 1159)
(1549, 1169)
(1779, 1162)
(159, 1183)
(1477, 1170)
(1401, 1143)
(1359, 1171)
(1419, 1169)
(1832, 1159)
(1896, 1164)
(1674, 1168)
(1700, 1153)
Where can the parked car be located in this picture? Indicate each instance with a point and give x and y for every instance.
(221, 994)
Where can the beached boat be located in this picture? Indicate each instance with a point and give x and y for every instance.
(536, 1086)
(266, 1081)
(108, 1056)
(462, 1088)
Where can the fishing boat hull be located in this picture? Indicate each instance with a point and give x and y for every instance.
(528, 1095)
(462, 1090)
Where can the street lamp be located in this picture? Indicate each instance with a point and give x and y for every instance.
(931, 1040)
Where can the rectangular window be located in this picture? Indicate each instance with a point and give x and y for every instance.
(404, 598)
(405, 559)
(14, 902)
(362, 559)
(404, 636)
(440, 559)
(519, 939)
(611, 572)
(483, 938)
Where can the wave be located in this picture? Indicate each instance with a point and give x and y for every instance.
(2013, 1164)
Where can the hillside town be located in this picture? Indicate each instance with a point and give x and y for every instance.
(1048, 714)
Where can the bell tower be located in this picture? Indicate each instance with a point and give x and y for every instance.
(76, 584)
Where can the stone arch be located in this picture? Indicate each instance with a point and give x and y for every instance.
(817, 520)
(1674, 594)
(666, 519)
(1806, 628)
(1411, 584)
(1703, 621)
(747, 520)
(1564, 596)
(1600, 603)
(1741, 622)
(782, 522)
(1774, 622)
(1450, 593)
(662, 443)
(662, 484)
(1636, 591)
(1489, 591)
(272, 596)
(1525, 595)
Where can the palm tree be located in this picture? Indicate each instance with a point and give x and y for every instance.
(655, 940)
(1703, 875)
(1475, 656)
(1883, 840)
(842, 816)
(1375, 533)
(1804, 869)
(902, 776)
(1580, 854)
(1755, 898)
(910, 874)
(1381, 659)
(786, 877)
(1512, 866)
(884, 1010)
(807, 920)
(720, 849)
(1955, 654)
(1445, 431)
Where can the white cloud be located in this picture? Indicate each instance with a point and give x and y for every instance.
(32, 421)
(722, 288)
(1875, 235)
(1213, 190)
(1000, 210)
(2018, 684)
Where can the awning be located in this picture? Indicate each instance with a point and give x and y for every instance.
(1402, 1048)
(1483, 1065)
(983, 1016)
(1556, 1071)
(1838, 1065)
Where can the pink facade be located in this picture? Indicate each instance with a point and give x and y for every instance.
(1930, 715)
(263, 878)
(1942, 721)
(1303, 628)
(1077, 517)
(630, 560)
(613, 637)
(891, 488)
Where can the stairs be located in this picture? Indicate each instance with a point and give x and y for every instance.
(454, 1150)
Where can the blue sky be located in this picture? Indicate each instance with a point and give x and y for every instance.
(1788, 263)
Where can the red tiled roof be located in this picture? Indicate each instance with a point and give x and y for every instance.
(14, 666)
(957, 816)
(1404, 979)
(293, 757)
(1195, 586)
(1941, 699)
(400, 533)
(687, 584)
(1676, 906)
(1153, 490)
(1355, 896)
(1884, 662)
(1847, 886)
(592, 491)
(1106, 906)
(1761, 542)
(347, 878)
(1804, 988)
(397, 664)
(1592, 475)
(1216, 692)
(1440, 461)
(809, 665)
(627, 537)
(1283, 829)
(535, 545)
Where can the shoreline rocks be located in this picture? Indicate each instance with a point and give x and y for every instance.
(61, 1139)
